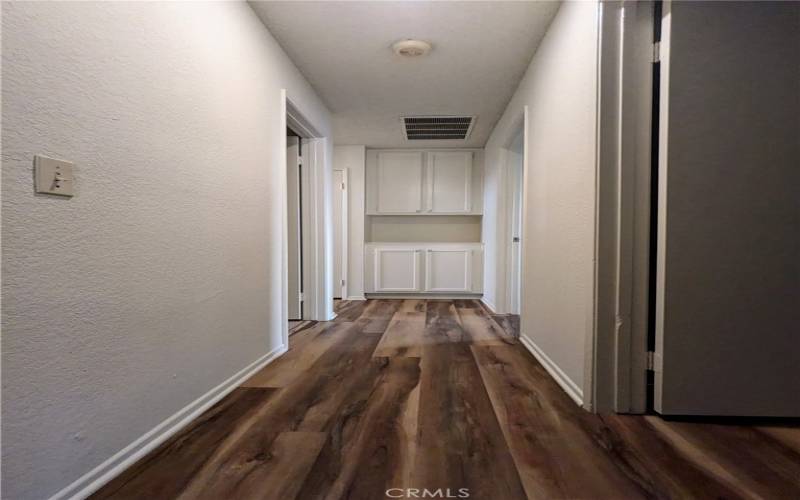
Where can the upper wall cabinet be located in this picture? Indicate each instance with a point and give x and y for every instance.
(449, 183)
(424, 183)
(398, 179)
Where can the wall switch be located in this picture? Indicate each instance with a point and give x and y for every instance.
(53, 176)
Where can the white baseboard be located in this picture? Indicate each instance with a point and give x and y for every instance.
(492, 307)
(111, 468)
(425, 295)
(356, 297)
(570, 387)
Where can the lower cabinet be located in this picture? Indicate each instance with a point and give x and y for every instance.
(448, 270)
(437, 268)
(397, 269)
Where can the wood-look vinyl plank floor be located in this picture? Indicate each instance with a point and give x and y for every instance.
(166, 472)
(460, 443)
(552, 448)
(404, 335)
(303, 352)
(438, 394)
(299, 326)
(508, 322)
(364, 450)
(479, 325)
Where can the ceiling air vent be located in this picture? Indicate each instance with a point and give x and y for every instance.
(427, 128)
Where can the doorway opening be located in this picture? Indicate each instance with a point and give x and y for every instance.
(305, 184)
(294, 229)
(653, 237)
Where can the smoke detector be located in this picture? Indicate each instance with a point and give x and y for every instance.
(411, 48)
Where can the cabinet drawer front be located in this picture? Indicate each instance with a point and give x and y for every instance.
(396, 270)
(448, 270)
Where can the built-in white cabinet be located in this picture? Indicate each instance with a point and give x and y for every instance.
(398, 183)
(397, 269)
(423, 183)
(449, 270)
(449, 182)
(440, 268)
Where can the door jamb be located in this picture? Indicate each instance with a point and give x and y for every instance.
(618, 361)
(316, 207)
(508, 247)
(503, 302)
(345, 232)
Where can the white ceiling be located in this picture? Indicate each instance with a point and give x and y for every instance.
(480, 52)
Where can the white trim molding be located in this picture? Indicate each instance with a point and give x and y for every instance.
(617, 352)
(345, 223)
(492, 308)
(317, 210)
(566, 383)
(425, 296)
(111, 468)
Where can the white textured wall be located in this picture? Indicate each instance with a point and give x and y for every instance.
(353, 159)
(560, 90)
(160, 278)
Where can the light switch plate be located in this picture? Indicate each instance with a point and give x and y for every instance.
(53, 176)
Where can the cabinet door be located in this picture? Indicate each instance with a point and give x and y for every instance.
(397, 269)
(448, 270)
(450, 182)
(399, 182)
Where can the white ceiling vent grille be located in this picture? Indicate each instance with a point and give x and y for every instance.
(427, 128)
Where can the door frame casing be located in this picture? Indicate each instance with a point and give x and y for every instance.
(515, 186)
(345, 234)
(505, 214)
(618, 361)
(317, 237)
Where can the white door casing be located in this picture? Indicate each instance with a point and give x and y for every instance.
(339, 233)
(515, 165)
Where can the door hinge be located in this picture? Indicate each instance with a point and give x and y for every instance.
(343, 188)
(299, 161)
(342, 282)
(302, 297)
(651, 363)
(657, 52)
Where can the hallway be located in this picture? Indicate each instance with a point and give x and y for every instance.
(385, 401)
(388, 249)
